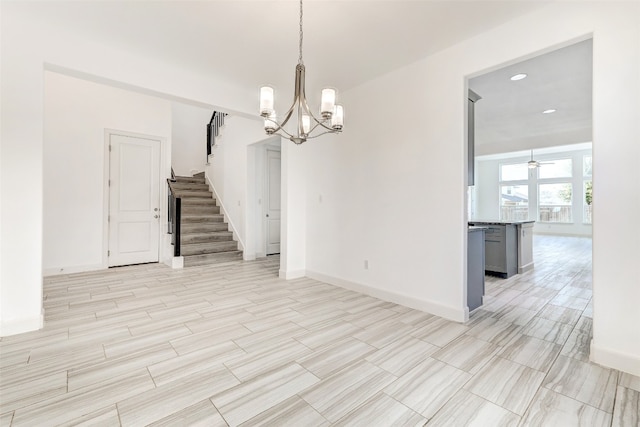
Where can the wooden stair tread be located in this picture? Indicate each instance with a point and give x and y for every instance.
(204, 236)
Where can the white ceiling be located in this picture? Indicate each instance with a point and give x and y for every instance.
(255, 42)
(509, 115)
(346, 43)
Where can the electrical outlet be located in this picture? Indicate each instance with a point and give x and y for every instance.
(366, 264)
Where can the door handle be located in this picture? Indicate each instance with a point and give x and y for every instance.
(155, 209)
(156, 216)
(267, 215)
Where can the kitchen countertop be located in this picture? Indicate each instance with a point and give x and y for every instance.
(498, 222)
(476, 228)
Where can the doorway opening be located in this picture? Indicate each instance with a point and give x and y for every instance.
(532, 145)
(264, 198)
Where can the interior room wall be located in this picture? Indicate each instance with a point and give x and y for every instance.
(393, 192)
(76, 114)
(188, 138)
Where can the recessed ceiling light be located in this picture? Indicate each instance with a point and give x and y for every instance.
(549, 111)
(518, 77)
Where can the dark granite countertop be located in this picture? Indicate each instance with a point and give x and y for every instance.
(498, 222)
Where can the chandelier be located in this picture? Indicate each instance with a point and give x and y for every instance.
(331, 114)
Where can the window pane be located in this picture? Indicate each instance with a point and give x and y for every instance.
(588, 201)
(555, 169)
(586, 166)
(555, 202)
(516, 172)
(514, 202)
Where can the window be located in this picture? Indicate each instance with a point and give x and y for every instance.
(554, 202)
(558, 191)
(516, 172)
(514, 192)
(588, 190)
(588, 199)
(555, 169)
(586, 165)
(514, 202)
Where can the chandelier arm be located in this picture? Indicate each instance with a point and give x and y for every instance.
(323, 133)
(321, 123)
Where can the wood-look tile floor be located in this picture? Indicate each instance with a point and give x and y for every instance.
(232, 344)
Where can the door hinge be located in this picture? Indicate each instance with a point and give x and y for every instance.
(109, 183)
(109, 147)
(108, 253)
(108, 218)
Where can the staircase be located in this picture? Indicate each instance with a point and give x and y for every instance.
(204, 236)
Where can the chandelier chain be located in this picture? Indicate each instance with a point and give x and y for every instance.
(300, 47)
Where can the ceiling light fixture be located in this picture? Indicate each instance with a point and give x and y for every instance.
(549, 111)
(518, 77)
(331, 114)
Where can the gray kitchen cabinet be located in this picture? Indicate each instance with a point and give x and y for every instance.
(525, 247)
(501, 249)
(472, 98)
(475, 267)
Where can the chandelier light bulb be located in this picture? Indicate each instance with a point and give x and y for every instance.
(306, 124)
(328, 102)
(270, 123)
(337, 120)
(266, 100)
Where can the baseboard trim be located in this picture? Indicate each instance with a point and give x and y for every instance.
(71, 270)
(290, 275)
(432, 307)
(525, 268)
(624, 362)
(20, 326)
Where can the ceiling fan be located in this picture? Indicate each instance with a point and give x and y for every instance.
(536, 164)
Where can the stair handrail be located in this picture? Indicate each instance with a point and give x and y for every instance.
(213, 130)
(175, 214)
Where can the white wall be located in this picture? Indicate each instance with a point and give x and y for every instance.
(188, 138)
(393, 187)
(29, 44)
(228, 174)
(487, 190)
(76, 114)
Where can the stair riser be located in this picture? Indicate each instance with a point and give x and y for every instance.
(204, 228)
(200, 210)
(185, 240)
(191, 261)
(199, 220)
(195, 194)
(208, 248)
(182, 190)
(198, 202)
(183, 179)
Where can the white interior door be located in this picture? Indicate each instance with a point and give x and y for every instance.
(272, 207)
(134, 200)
